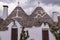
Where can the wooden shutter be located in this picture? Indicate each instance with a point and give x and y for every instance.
(14, 34)
(45, 35)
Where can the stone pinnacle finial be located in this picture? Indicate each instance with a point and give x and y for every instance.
(38, 3)
(18, 3)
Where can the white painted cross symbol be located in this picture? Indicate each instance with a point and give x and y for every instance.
(17, 13)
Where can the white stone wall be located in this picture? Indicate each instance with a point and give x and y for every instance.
(34, 32)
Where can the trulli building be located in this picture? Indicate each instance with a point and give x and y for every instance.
(36, 24)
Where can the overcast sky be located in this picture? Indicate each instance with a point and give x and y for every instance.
(47, 5)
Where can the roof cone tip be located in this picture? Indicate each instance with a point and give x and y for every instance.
(18, 3)
(38, 3)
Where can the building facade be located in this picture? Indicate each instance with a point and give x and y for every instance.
(36, 24)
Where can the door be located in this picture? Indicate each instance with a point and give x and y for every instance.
(45, 35)
(14, 34)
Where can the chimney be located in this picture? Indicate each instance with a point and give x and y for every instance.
(5, 11)
(54, 16)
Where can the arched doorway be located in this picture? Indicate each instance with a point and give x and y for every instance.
(14, 31)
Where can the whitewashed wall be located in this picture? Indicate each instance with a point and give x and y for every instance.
(34, 32)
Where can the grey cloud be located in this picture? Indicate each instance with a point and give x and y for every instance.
(31, 3)
(7, 1)
(53, 2)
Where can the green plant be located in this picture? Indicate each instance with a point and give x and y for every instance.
(24, 34)
(56, 33)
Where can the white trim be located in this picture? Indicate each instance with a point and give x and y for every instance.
(15, 27)
(45, 29)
